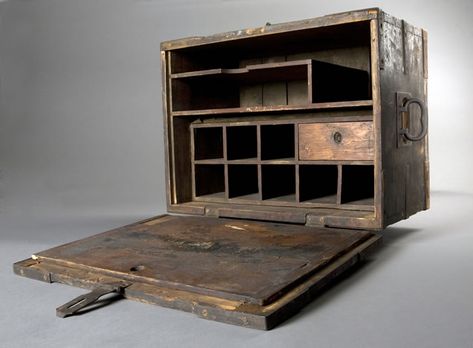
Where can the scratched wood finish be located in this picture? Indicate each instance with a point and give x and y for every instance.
(236, 312)
(233, 259)
(336, 141)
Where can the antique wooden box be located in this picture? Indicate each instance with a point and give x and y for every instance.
(287, 146)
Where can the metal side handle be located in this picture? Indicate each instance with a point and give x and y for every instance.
(404, 100)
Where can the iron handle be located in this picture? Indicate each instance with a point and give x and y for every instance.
(423, 119)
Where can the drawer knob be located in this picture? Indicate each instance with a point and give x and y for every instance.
(337, 137)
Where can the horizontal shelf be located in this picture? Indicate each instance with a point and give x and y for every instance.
(248, 197)
(330, 199)
(279, 161)
(285, 201)
(212, 196)
(361, 202)
(285, 198)
(290, 118)
(292, 70)
(275, 108)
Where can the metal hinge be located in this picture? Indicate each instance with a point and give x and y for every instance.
(90, 300)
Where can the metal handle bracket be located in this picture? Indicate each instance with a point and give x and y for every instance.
(404, 135)
(88, 300)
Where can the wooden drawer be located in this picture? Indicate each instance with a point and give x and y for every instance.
(336, 141)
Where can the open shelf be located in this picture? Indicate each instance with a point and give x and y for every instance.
(278, 182)
(287, 83)
(268, 72)
(318, 183)
(276, 108)
(241, 142)
(335, 83)
(349, 41)
(242, 105)
(209, 180)
(277, 142)
(357, 185)
(208, 143)
(253, 85)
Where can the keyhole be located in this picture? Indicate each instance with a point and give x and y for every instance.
(337, 137)
(137, 268)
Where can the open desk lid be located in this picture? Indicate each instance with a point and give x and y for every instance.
(246, 263)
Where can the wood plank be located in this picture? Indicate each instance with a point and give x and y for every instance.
(275, 108)
(376, 96)
(319, 141)
(297, 93)
(294, 69)
(275, 93)
(251, 94)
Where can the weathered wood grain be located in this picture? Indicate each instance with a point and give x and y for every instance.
(336, 141)
(71, 264)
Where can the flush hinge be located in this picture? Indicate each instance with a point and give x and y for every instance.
(90, 300)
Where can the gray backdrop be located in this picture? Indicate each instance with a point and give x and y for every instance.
(81, 151)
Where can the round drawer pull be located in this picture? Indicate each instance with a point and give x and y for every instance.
(337, 137)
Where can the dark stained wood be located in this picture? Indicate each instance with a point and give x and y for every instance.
(259, 163)
(275, 108)
(404, 168)
(274, 70)
(348, 49)
(257, 262)
(275, 137)
(234, 312)
(336, 141)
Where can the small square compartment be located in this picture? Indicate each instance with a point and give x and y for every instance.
(208, 143)
(277, 141)
(279, 182)
(210, 180)
(241, 142)
(243, 181)
(358, 184)
(318, 183)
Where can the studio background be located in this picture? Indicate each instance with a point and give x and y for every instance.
(81, 151)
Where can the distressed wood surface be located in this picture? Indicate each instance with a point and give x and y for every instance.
(208, 307)
(213, 306)
(245, 260)
(403, 51)
(336, 141)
